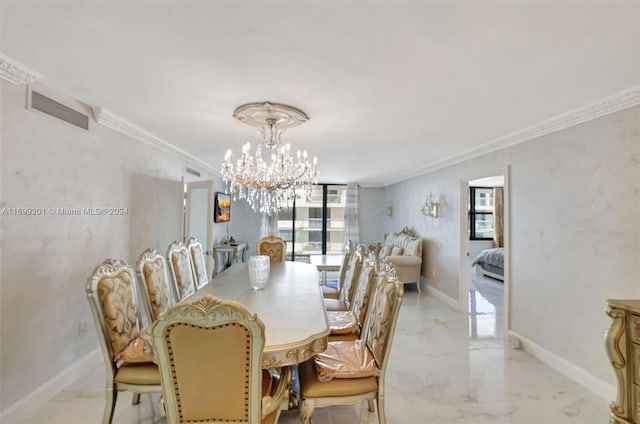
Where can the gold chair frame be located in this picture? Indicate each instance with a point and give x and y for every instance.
(112, 268)
(211, 313)
(262, 248)
(151, 256)
(198, 263)
(387, 275)
(182, 289)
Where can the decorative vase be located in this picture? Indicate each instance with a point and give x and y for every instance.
(259, 267)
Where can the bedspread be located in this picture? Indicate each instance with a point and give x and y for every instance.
(494, 257)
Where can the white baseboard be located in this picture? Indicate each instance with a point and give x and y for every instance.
(52, 387)
(580, 375)
(448, 300)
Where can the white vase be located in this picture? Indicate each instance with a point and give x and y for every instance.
(259, 268)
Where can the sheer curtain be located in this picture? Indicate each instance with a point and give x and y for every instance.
(498, 216)
(352, 214)
(269, 225)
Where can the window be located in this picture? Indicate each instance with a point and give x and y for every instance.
(481, 213)
(315, 224)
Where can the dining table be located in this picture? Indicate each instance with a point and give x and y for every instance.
(290, 306)
(326, 263)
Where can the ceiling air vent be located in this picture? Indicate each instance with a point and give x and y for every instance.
(192, 172)
(49, 106)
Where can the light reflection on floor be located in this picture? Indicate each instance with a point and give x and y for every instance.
(486, 307)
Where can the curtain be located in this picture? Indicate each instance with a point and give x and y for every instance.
(498, 216)
(269, 225)
(352, 214)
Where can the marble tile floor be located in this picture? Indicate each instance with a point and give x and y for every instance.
(437, 374)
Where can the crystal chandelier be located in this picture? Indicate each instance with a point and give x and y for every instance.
(269, 179)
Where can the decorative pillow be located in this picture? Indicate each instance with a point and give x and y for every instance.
(349, 359)
(397, 251)
(342, 322)
(139, 350)
(385, 251)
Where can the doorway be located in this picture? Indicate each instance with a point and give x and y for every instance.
(484, 255)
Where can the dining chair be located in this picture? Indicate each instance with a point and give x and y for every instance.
(112, 297)
(154, 283)
(209, 352)
(322, 381)
(329, 292)
(347, 289)
(347, 325)
(181, 270)
(197, 261)
(272, 246)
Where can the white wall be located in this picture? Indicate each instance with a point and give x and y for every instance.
(575, 231)
(45, 260)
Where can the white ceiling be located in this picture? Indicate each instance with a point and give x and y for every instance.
(391, 87)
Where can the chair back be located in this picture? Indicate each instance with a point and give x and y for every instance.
(209, 353)
(363, 291)
(198, 262)
(154, 283)
(272, 246)
(380, 324)
(112, 297)
(347, 290)
(181, 270)
(346, 258)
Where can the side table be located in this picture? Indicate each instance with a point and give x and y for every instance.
(234, 253)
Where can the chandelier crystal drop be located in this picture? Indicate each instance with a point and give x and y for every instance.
(270, 178)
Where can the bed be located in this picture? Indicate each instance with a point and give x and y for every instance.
(490, 263)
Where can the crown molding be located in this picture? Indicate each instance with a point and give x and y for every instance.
(614, 103)
(108, 119)
(15, 72)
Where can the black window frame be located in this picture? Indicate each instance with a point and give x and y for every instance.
(325, 211)
(473, 214)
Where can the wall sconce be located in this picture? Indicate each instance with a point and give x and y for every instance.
(430, 207)
(387, 210)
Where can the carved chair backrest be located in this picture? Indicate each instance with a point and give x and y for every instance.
(380, 324)
(198, 262)
(347, 290)
(346, 257)
(181, 270)
(154, 283)
(214, 342)
(112, 297)
(272, 246)
(363, 291)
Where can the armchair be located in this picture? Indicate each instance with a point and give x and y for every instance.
(404, 250)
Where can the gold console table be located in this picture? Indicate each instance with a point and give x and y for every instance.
(234, 253)
(622, 342)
